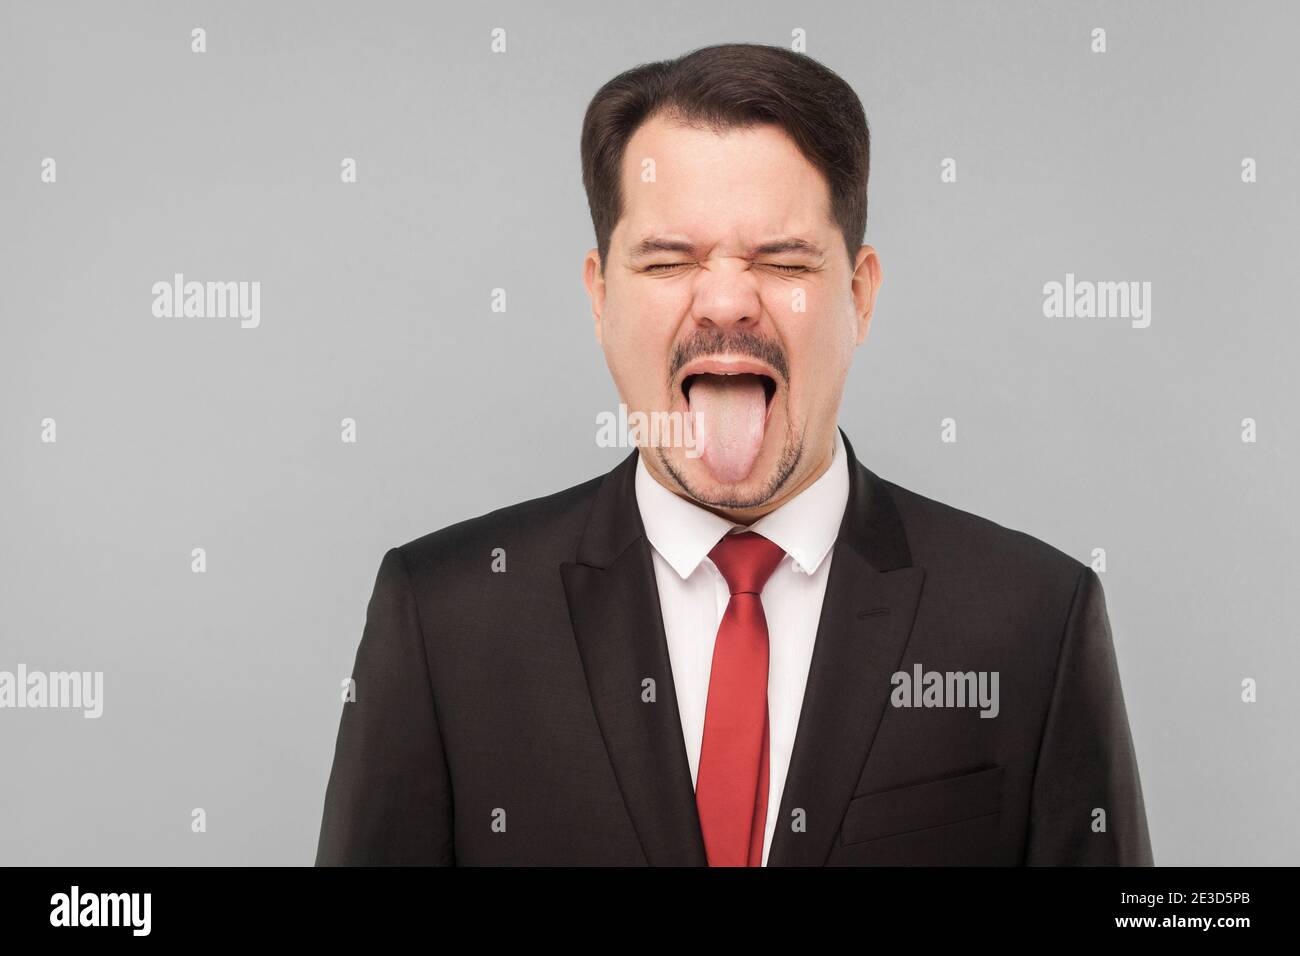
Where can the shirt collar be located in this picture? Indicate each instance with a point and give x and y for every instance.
(805, 527)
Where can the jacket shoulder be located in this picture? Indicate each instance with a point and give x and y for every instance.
(552, 522)
(945, 538)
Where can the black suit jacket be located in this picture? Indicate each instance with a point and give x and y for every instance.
(502, 718)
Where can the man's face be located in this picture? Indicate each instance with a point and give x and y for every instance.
(728, 294)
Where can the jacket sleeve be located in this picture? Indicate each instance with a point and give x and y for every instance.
(389, 797)
(1086, 762)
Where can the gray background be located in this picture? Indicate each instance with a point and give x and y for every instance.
(222, 689)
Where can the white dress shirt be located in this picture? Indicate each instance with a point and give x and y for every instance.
(693, 596)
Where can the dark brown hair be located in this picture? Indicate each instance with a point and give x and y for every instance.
(733, 85)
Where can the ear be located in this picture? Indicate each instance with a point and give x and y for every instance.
(865, 285)
(594, 279)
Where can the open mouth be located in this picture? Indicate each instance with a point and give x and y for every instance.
(731, 405)
(733, 380)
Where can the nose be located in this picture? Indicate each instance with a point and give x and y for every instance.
(726, 295)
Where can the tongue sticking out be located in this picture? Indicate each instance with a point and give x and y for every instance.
(731, 410)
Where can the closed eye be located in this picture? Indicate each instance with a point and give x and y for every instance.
(660, 266)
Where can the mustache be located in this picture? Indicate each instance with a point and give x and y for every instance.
(716, 342)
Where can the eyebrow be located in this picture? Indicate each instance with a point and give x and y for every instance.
(784, 244)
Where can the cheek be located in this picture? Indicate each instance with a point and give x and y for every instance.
(637, 339)
(819, 348)
(792, 303)
(644, 322)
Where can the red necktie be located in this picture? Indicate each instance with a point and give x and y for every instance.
(732, 780)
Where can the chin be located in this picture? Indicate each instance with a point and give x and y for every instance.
(770, 473)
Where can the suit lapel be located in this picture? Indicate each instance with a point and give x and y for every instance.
(614, 608)
(867, 613)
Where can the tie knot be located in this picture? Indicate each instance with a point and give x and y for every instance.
(746, 561)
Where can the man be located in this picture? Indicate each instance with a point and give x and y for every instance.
(745, 649)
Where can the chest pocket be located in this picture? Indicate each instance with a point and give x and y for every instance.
(923, 806)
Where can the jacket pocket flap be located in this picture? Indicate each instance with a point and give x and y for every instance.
(923, 805)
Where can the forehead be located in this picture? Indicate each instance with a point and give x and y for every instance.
(714, 186)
